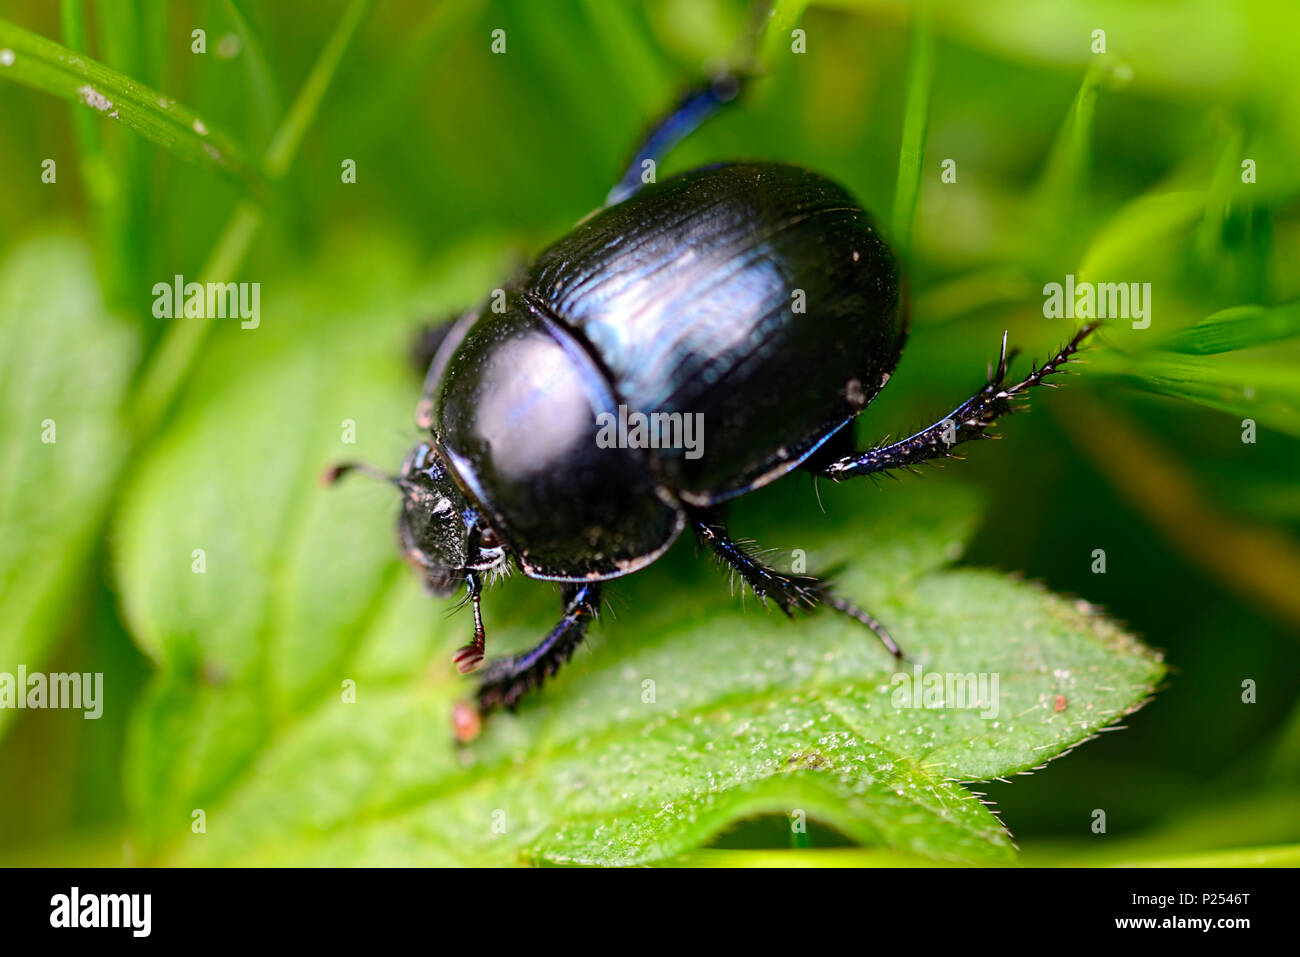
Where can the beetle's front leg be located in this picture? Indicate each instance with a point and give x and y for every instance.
(468, 657)
(970, 420)
(426, 341)
(423, 349)
(507, 680)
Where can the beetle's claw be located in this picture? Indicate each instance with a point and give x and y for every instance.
(468, 658)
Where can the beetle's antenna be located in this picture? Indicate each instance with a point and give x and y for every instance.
(339, 469)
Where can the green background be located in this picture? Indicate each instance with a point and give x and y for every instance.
(1123, 166)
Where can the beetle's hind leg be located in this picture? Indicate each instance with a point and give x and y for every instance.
(788, 591)
(970, 420)
(506, 680)
(690, 113)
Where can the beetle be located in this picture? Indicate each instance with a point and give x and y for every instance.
(758, 298)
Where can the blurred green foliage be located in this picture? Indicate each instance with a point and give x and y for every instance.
(1122, 166)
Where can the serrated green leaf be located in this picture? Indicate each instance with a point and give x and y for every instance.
(302, 600)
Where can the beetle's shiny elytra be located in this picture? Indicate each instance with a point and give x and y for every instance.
(758, 297)
(678, 300)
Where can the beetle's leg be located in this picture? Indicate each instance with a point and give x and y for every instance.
(506, 680)
(788, 591)
(840, 444)
(425, 343)
(970, 420)
(424, 346)
(468, 657)
(691, 112)
(423, 350)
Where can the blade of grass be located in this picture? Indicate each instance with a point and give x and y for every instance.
(1241, 327)
(266, 94)
(1066, 172)
(120, 33)
(399, 79)
(44, 65)
(1263, 388)
(99, 180)
(285, 143)
(916, 121)
(1061, 191)
(171, 363)
(781, 19)
(1141, 224)
(1209, 236)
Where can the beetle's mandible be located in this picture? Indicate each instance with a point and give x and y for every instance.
(757, 300)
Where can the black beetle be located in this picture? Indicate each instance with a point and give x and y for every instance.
(755, 299)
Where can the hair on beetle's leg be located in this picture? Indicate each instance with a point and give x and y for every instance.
(788, 591)
(970, 420)
(690, 113)
(506, 680)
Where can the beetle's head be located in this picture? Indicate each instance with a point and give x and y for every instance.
(441, 532)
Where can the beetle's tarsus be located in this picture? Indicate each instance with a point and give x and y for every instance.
(968, 421)
(860, 616)
(788, 591)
